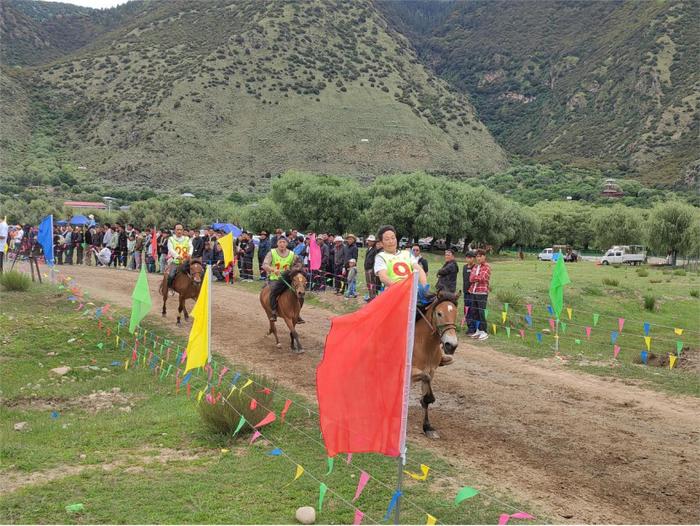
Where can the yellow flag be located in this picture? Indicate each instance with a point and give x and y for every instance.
(246, 384)
(300, 472)
(569, 311)
(200, 394)
(671, 361)
(431, 519)
(226, 244)
(678, 331)
(647, 340)
(424, 473)
(504, 314)
(493, 326)
(198, 342)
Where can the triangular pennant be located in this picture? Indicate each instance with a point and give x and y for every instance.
(508, 331)
(321, 494)
(430, 519)
(596, 317)
(299, 472)
(588, 332)
(424, 473)
(504, 315)
(364, 479)
(269, 418)
(647, 342)
(645, 357)
(563, 326)
(569, 312)
(358, 517)
(616, 351)
(646, 328)
(577, 341)
(465, 493)
(257, 434)
(679, 347)
(678, 331)
(392, 504)
(620, 324)
(505, 307)
(529, 309)
(240, 423)
(671, 361)
(330, 461)
(539, 337)
(287, 403)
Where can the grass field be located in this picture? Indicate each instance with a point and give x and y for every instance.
(125, 446)
(612, 293)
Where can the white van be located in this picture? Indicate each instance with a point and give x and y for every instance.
(629, 254)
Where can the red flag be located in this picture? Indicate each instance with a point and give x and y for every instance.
(154, 244)
(362, 382)
(314, 253)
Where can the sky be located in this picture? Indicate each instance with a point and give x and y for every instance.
(92, 3)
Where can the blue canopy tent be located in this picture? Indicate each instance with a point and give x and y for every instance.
(62, 222)
(79, 220)
(228, 227)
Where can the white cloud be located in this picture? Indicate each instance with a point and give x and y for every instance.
(98, 4)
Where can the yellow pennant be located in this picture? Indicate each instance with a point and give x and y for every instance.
(300, 472)
(247, 383)
(431, 519)
(231, 392)
(424, 473)
(647, 341)
(671, 361)
(569, 312)
(504, 314)
(493, 327)
(117, 341)
(126, 364)
(678, 331)
(200, 394)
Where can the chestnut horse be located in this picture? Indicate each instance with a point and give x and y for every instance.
(289, 305)
(186, 284)
(435, 332)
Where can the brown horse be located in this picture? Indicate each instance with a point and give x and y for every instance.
(436, 330)
(186, 284)
(289, 305)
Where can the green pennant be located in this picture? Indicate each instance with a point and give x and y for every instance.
(321, 494)
(330, 465)
(560, 277)
(486, 314)
(563, 326)
(240, 425)
(679, 347)
(578, 342)
(596, 316)
(465, 493)
(141, 301)
(508, 331)
(100, 345)
(505, 307)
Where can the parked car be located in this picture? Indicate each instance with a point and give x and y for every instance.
(440, 244)
(546, 254)
(425, 243)
(628, 254)
(403, 242)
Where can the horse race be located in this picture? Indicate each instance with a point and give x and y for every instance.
(349, 262)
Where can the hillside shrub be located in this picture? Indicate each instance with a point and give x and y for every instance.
(695, 293)
(611, 282)
(512, 298)
(14, 281)
(649, 302)
(642, 272)
(222, 416)
(592, 290)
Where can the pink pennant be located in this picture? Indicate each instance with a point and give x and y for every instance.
(184, 357)
(349, 459)
(80, 306)
(99, 324)
(109, 332)
(588, 333)
(616, 351)
(551, 323)
(287, 403)
(211, 372)
(522, 333)
(134, 356)
(364, 479)
(253, 403)
(105, 308)
(529, 309)
(221, 375)
(620, 324)
(256, 435)
(189, 389)
(504, 518)
(267, 420)
(358, 517)
(210, 398)
(167, 354)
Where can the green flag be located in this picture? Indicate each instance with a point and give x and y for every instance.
(141, 300)
(560, 277)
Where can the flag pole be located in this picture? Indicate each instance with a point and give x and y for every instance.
(401, 460)
(209, 313)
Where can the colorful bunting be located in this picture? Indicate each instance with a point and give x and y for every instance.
(358, 517)
(287, 403)
(679, 347)
(620, 324)
(430, 520)
(613, 336)
(596, 316)
(577, 341)
(330, 461)
(551, 324)
(522, 333)
(392, 504)
(269, 418)
(257, 434)
(529, 309)
(616, 351)
(275, 452)
(644, 356)
(647, 327)
(528, 320)
(504, 315)
(505, 307)
(539, 337)
(240, 424)
(504, 518)
(253, 404)
(424, 473)
(508, 331)
(671, 361)
(678, 332)
(465, 493)
(364, 479)
(321, 494)
(647, 342)
(569, 312)
(550, 310)
(588, 333)
(299, 472)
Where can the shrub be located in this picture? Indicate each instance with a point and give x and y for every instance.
(512, 298)
(591, 290)
(15, 281)
(695, 293)
(611, 282)
(679, 272)
(222, 417)
(655, 280)
(649, 302)
(642, 272)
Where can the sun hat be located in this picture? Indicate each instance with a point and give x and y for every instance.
(337, 239)
(352, 236)
(371, 237)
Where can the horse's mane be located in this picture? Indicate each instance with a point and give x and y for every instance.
(289, 275)
(445, 295)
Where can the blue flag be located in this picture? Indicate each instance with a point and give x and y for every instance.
(45, 238)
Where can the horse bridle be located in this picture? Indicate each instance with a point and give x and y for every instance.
(440, 328)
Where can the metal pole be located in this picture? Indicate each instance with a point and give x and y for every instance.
(399, 480)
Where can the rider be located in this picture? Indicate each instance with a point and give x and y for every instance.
(393, 265)
(278, 261)
(179, 252)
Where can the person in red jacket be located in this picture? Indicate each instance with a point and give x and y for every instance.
(479, 279)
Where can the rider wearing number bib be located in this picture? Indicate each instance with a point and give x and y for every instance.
(279, 261)
(179, 252)
(393, 265)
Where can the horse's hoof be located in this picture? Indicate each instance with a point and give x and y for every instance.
(432, 434)
(298, 351)
(278, 345)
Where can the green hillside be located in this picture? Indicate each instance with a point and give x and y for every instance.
(611, 84)
(223, 95)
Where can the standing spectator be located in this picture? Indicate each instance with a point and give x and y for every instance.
(113, 244)
(273, 239)
(338, 265)
(447, 275)
(479, 279)
(69, 247)
(352, 279)
(163, 251)
(468, 300)
(263, 249)
(130, 247)
(328, 271)
(293, 239)
(59, 244)
(369, 267)
(350, 250)
(217, 260)
(107, 236)
(415, 250)
(246, 250)
(97, 242)
(197, 244)
(88, 235)
(79, 244)
(122, 244)
(4, 240)
(138, 250)
(319, 279)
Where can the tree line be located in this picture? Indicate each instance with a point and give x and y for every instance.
(418, 205)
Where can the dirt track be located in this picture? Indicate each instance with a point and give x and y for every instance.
(581, 448)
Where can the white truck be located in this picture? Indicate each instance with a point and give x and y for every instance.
(628, 254)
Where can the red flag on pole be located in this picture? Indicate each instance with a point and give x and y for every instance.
(154, 244)
(363, 380)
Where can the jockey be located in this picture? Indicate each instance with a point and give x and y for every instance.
(393, 265)
(278, 261)
(179, 251)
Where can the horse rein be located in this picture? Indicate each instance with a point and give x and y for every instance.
(439, 329)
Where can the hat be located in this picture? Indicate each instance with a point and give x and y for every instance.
(337, 239)
(470, 254)
(352, 236)
(282, 238)
(371, 237)
(353, 260)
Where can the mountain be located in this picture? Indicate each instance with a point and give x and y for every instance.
(225, 93)
(611, 83)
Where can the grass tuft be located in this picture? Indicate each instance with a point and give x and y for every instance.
(512, 298)
(642, 272)
(679, 272)
(610, 282)
(15, 281)
(649, 302)
(695, 293)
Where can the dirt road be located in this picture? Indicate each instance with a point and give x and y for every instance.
(581, 448)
